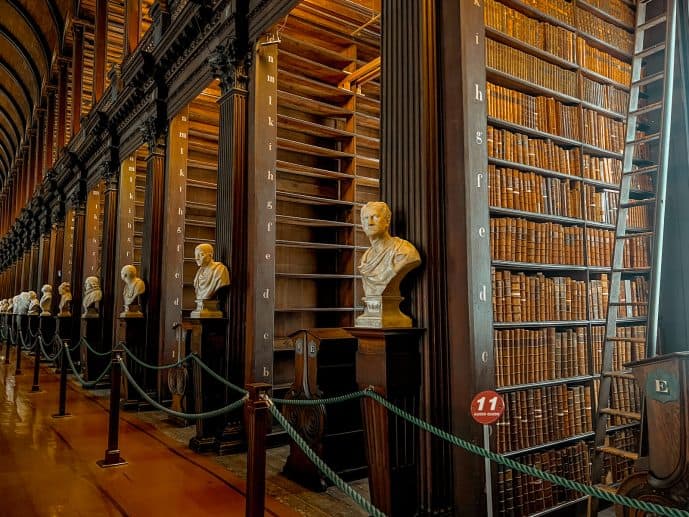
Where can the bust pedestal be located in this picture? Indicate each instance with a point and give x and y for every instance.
(46, 326)
(383, 312)
(207, 309)
(207, 340)
(389, 360)
(93, 365)
(132, 330)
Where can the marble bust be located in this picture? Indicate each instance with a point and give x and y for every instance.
(4, 304)
(23, 303)
(46, 300)
(92, 297)
(34, 308)
(65, 306)
(382, 268)
(134, 287)
(210, 277)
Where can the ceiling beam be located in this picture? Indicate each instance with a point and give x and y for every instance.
(37, 32)
(12, 123)
(17, 108)
(22, 87)
(57, 19)
(26, 56)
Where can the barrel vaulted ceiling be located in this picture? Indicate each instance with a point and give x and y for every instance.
(31, 38)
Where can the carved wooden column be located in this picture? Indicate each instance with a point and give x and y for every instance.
(62, 77)
(77, 71)
(38, 159)
(48, 161)
(151, 257)
(57, 240)
(109, 273)
(231, 215)
(35, 241)
(100, 58)
(43, 250)
(78, 204)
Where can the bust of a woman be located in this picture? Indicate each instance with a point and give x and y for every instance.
(134, 287)
(92, 297)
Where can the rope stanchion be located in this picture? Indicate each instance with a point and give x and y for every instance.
(84, 382)
(112, 453)
(91, 349)
(18, 365)
(321, 465)
(36, 387)
(527, 469)
(320, 402)
(152, 366)
(45, 353)
(61, 412)
(186, 416)
(216, 376)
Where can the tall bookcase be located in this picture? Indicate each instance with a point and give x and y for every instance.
(557, 87)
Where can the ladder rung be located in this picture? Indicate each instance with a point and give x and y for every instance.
(638, 202)
(619, 452)
(620, 413)
(652, 23)
(628, 304)
(650, 51)
(635, 235)
(620, 375)
(627, 339)
(645, 81)
(644, 139)
(646, 109)
(631, 270)
(642, 170)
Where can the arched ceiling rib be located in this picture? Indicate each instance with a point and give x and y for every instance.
(31, 35)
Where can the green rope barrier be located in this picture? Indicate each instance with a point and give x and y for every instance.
(93, 350)
(84, 383)
(319, 402)
(187, 416)
(320, 464)
(216, 376)
(528, 469)
(25, 348)
(45, 353)
(152, 366)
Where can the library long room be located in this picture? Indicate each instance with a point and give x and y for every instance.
(344, 257)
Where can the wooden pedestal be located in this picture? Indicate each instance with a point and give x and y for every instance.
(133, 331)
(324, 366)
(93, 365)
(664, 380)
(46, 326)
(389, 360)
(207, 340)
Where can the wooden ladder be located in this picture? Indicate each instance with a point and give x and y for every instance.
(644, 180)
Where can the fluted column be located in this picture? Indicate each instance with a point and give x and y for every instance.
(109, 273)
(78, 203)
(57, 241)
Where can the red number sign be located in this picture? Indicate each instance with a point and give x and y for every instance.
(487, 407)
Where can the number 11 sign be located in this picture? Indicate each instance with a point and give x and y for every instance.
(487, 407)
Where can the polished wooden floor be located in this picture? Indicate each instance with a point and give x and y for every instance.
(48, 466)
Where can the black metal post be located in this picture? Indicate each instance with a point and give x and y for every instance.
(36, 365)
(112, 453)
(18, 366)
(8, 334)
(63, 383)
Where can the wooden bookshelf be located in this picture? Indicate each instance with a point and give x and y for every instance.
(558, 84)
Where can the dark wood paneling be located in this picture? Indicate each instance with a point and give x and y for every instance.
(109, 270)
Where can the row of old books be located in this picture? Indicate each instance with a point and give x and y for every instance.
(601, 205)
(504, 144)
(605, 169)
(616, 468)
(624, 396)
(536, 416)
(521, 240)
(615, 36)
(520, 494)
(536, 112)
(605, 95)
(622, 351)
(599, 249)
(634, 290)
(602, 63)
(615, 8)
(524, 356)
(531, 192)
(518, 297)
(556, 40)
(603, 132)
(530, 68)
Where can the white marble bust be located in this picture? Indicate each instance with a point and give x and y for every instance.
(23, 302)
(46, 300)
(210, 277)
(65, 292)
(12, 305)
(34, 305)
(382, 268)
(134, 287)
(4, 304)
(92, 297)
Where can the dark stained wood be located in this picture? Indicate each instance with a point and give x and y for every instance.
(101, 39)
(51, 92)
(33, 270)
(18, 277)
(77, 72)
(132, 25)
(78, 203)
(261, 216)
(62, 77)
(44, 257)
(110, 275)
(94, 233)
(257, 420)
(40, 143)
(26, 270)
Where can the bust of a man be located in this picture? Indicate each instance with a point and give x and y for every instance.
(46, 300)
(92, 297)
(34, 308)
(210, 277)
(3, 305)
(65, 292)
(133, 288)
(382, 268)
(24, 302)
